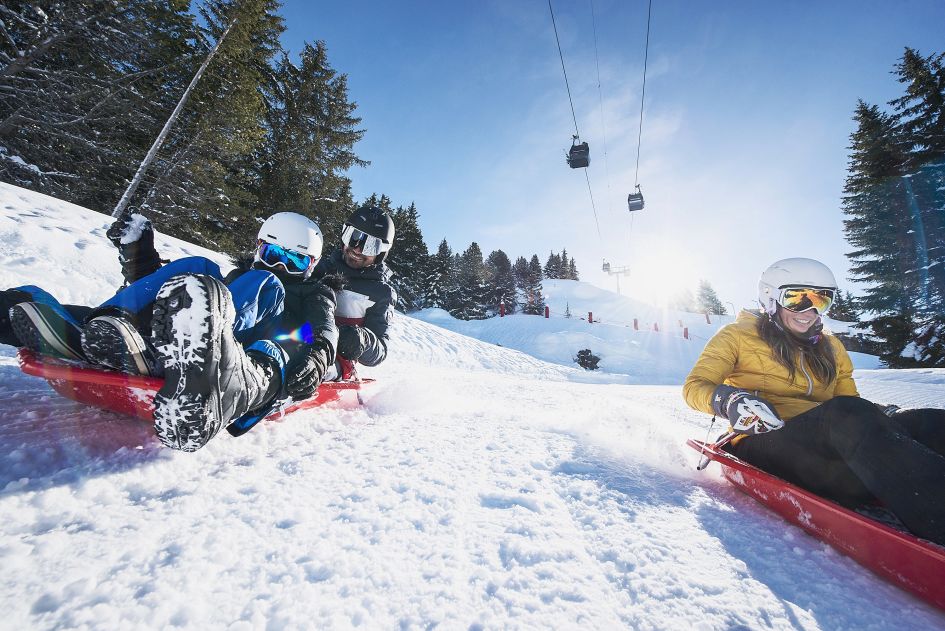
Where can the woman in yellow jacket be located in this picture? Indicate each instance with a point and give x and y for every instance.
(776, 369)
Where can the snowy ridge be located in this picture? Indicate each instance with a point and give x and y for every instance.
(479, 488)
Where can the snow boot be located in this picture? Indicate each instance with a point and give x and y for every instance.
(111, 340)
(209, 379)
(8, 298)
(47, 330)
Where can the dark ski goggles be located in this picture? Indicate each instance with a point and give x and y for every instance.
(369, 245)
(799, 299)
(293, 262)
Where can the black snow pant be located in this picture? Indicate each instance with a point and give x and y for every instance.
(847, 450)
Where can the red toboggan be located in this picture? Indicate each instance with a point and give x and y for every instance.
(134, 395)
(913, 564)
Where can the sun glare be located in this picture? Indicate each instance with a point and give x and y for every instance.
(660, 273)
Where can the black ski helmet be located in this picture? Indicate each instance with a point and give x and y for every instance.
(375, 222)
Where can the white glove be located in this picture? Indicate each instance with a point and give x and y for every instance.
(748, 414)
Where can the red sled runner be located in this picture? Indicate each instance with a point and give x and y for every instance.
(913, 564)
(133, 395)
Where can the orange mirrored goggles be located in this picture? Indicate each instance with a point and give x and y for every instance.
(803, 298)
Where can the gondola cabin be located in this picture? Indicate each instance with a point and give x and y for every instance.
(635, 200)
(579, 156)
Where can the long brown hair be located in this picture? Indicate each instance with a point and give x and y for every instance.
(789, 349)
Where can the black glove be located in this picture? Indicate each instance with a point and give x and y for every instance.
(353, 341)
(305, 370)
(130, 228)
(747, 413)
(133, 235)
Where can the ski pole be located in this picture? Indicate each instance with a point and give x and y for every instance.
(122, 205)
(705, 460)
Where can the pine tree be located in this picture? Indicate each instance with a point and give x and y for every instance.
(552, 267)
(409, 258)
(522, 281)
(534, 303)
(501, 283)
(438, 277)
(708, 300)
(921, 126)
(455, 299)
(921, 111)
(472, 283)
(311, 132)
(572, 270)
(209, 183)
(844, 307)
(880, 226)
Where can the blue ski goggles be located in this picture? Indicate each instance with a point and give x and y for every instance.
(369, 245)
(294, 262)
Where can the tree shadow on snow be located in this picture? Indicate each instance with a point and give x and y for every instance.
(801, 570)
(48, 440)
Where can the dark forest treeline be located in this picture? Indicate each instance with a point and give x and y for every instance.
(86, 85)
(467, 284)
(894, 200)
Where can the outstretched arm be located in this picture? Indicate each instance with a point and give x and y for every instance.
(372, 338)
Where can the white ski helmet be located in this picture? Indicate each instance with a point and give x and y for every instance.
(794, 272)
(299, 242)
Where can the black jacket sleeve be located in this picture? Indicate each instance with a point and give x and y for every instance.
(312, 309)
(377, 320)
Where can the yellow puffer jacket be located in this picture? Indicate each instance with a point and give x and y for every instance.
(737, 356)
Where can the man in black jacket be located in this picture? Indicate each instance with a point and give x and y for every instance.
(196, 324)
(366, 303)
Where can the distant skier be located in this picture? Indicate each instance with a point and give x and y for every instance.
(786, 386)
(195, 324)
(366, 304)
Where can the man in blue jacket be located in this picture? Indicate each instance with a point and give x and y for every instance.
(195, 324)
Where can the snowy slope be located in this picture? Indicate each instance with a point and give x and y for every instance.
(655, 351)
(479, 487)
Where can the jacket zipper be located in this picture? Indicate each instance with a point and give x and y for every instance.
(810, 382)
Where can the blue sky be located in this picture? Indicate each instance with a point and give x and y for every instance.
(746, 123)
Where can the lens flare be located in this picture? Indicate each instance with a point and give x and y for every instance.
(302, 334)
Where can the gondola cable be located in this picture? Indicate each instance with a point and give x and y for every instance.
(600, 96)
(646, 56)
(565, 72)
(577, 134)
(635, 200)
